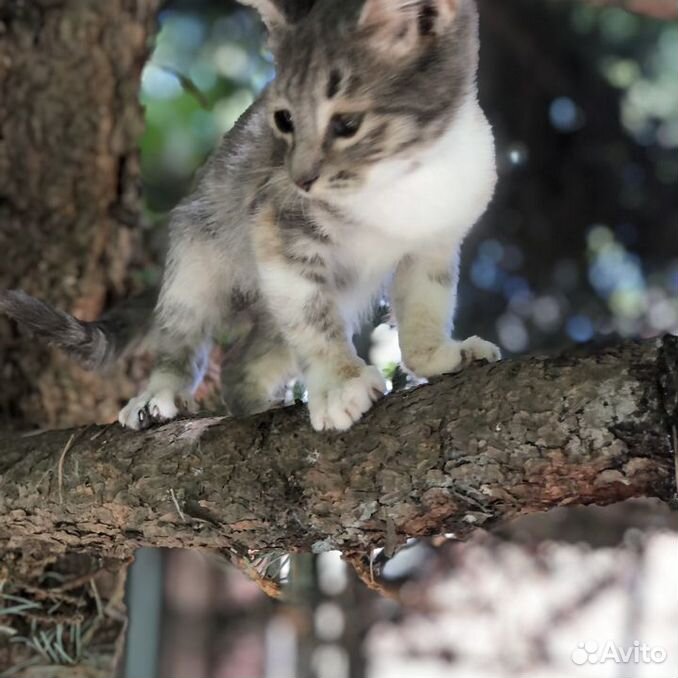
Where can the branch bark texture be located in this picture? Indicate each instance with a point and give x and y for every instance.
(464, 451)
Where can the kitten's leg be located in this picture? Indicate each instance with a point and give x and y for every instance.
(189, 300)
(256, 368)
(341, 387)
(424, 295)
(180, 366)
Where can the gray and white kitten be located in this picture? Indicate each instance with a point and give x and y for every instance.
(362, 166)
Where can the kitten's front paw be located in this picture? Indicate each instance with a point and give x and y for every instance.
(475, 348)
(340, 406)
(150, 408)
(452, 356)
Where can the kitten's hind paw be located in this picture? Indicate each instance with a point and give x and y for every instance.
(339, 407)
(151, 408)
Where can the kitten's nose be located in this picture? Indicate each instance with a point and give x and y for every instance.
(306, 183)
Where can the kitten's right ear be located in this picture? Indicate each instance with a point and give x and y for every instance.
(270, 12)
(396, 27)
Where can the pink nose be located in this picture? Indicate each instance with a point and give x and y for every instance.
(306, 183)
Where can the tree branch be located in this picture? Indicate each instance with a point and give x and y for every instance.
(464, 451)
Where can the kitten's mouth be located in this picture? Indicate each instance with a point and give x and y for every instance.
(326, 191)
(306, 194)
(328, 188)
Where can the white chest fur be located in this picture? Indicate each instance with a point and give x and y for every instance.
(442, 191)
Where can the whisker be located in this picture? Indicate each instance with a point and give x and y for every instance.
(261, 170)
(273, 182)
(291, 194)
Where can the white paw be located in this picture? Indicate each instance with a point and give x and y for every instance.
(340, 406)
(475, 348)
(150, 408)
(452, 356)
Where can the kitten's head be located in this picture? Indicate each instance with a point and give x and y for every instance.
(363, 81)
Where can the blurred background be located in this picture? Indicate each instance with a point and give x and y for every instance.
(580, 245)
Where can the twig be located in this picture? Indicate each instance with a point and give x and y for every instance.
(365, 573)
(188, 85)
(97, 598)
(55, 619)
(101, 431)
(77, 582)
(60, 467)
(52, 594)
(176, 504)
(270, 587)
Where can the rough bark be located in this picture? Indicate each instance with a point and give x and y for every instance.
(463, 451)
(69, 126)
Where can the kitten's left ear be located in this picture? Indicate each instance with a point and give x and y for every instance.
(396, 26)
(270, 12)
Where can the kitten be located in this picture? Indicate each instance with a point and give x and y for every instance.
(364, 164)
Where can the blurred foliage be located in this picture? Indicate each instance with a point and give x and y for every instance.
(582, 239)
(208, 66)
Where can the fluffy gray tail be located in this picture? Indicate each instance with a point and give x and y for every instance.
(93, 344)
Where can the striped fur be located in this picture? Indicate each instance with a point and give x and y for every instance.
(93, 344)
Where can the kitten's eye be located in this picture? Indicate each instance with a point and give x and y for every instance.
(283, 121)
(346, 125)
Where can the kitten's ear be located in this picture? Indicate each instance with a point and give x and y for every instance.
(270, 12)
(395, 27)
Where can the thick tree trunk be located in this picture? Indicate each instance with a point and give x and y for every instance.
(69, 204)
(69, 126)
(464, 451)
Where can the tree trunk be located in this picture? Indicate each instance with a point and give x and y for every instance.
(69, 205)
(464, 451)
(69, 200)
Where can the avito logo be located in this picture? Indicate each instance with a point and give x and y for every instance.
(590, 652)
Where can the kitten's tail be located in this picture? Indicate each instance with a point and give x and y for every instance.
(93, 344)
